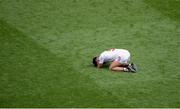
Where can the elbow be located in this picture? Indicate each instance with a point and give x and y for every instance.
(100, 66)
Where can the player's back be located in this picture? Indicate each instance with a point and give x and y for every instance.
(116, 52)
(121, 52)
(112, 54)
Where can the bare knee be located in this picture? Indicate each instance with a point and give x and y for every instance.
(111, 68)
(116, 68)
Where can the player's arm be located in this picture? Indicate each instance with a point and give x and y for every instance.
(100, 62)
(99, 65)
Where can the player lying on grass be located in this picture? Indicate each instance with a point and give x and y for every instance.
(120, 59)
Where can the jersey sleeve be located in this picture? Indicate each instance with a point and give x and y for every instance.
(101, 59)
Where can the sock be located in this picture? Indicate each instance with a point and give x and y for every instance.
(126, 70)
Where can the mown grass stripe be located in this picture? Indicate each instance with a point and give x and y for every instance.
(77, 30)
(31, 76)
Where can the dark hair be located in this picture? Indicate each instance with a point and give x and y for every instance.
(94, 61)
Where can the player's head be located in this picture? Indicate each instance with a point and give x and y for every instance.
(95, 61)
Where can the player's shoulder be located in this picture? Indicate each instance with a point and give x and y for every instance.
(103, 53)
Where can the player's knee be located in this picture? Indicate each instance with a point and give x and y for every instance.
(110, 68)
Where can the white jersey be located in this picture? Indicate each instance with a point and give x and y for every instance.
(120, 55)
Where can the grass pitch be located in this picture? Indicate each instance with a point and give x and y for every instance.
(46, 47)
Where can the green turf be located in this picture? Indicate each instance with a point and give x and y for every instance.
(46, 48)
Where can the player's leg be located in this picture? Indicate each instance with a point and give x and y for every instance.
(116, 66)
